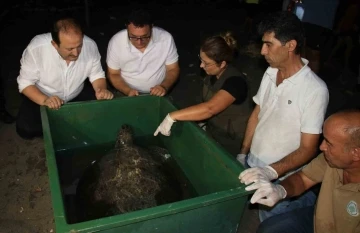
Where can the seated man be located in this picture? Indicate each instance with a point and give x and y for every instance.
(338, 168)
(54, 67)
(142, 58)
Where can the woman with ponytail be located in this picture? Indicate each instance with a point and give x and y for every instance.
(226, 105)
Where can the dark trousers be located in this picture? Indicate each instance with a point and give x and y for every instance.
(297, 221)
(231, 143)
(28, 122)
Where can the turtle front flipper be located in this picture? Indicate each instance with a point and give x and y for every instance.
(158, 153)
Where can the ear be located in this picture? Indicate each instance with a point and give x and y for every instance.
(223, 64)
(291, 45)
(356, 154)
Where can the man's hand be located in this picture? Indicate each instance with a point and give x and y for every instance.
(103, 94)
(258, 173)
(165, 126)
(266, 193)
(158, 90)
(53, 102)
(133, 92)
(241, 158)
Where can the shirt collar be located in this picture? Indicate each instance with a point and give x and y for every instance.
(62, 61)
(294, 79)
(354, 187)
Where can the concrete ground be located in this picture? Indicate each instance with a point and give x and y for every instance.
(24, 187)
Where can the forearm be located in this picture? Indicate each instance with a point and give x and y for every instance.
(119, 83)
(34, 94)
(99, 84)
(170, 78)
(250, 130)
(294, 185)
(294, 160)
(194, 113)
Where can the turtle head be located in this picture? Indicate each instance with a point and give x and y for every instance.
(125, 136)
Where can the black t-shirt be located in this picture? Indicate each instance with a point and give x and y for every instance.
(235, 86)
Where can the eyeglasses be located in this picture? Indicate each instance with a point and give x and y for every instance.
(206, 64)
(142, 38)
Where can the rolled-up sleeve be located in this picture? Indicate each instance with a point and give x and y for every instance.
(29, 73)
(316, 169)
(314, 111)
(96, 69)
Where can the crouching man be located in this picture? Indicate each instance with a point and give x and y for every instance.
(337, 167)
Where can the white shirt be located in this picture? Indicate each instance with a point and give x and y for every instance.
(141, 71)
(42, 66)
(298, 105)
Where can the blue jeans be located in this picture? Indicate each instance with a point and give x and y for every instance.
(306, 199)
(296, 221)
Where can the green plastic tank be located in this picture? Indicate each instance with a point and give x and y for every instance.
(213, 173)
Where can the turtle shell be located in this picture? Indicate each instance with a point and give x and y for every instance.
(126, 179)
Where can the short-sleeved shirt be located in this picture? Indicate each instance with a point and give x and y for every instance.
(298, 105)
(338, 205)
(235, 86)
(142, 70)
(42, 66)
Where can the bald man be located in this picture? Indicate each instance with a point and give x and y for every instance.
(337, 168)
(54, 68)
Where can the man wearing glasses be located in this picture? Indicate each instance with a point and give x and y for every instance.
(142, 58)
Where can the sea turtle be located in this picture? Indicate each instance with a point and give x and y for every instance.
(126, 179)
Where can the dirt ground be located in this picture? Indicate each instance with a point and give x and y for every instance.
(24, 186)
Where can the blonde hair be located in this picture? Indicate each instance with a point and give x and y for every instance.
(229, 39)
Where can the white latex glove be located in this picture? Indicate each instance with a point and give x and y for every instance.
(165, 126)
(241, 158)
(266, 193)
(257, 173)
